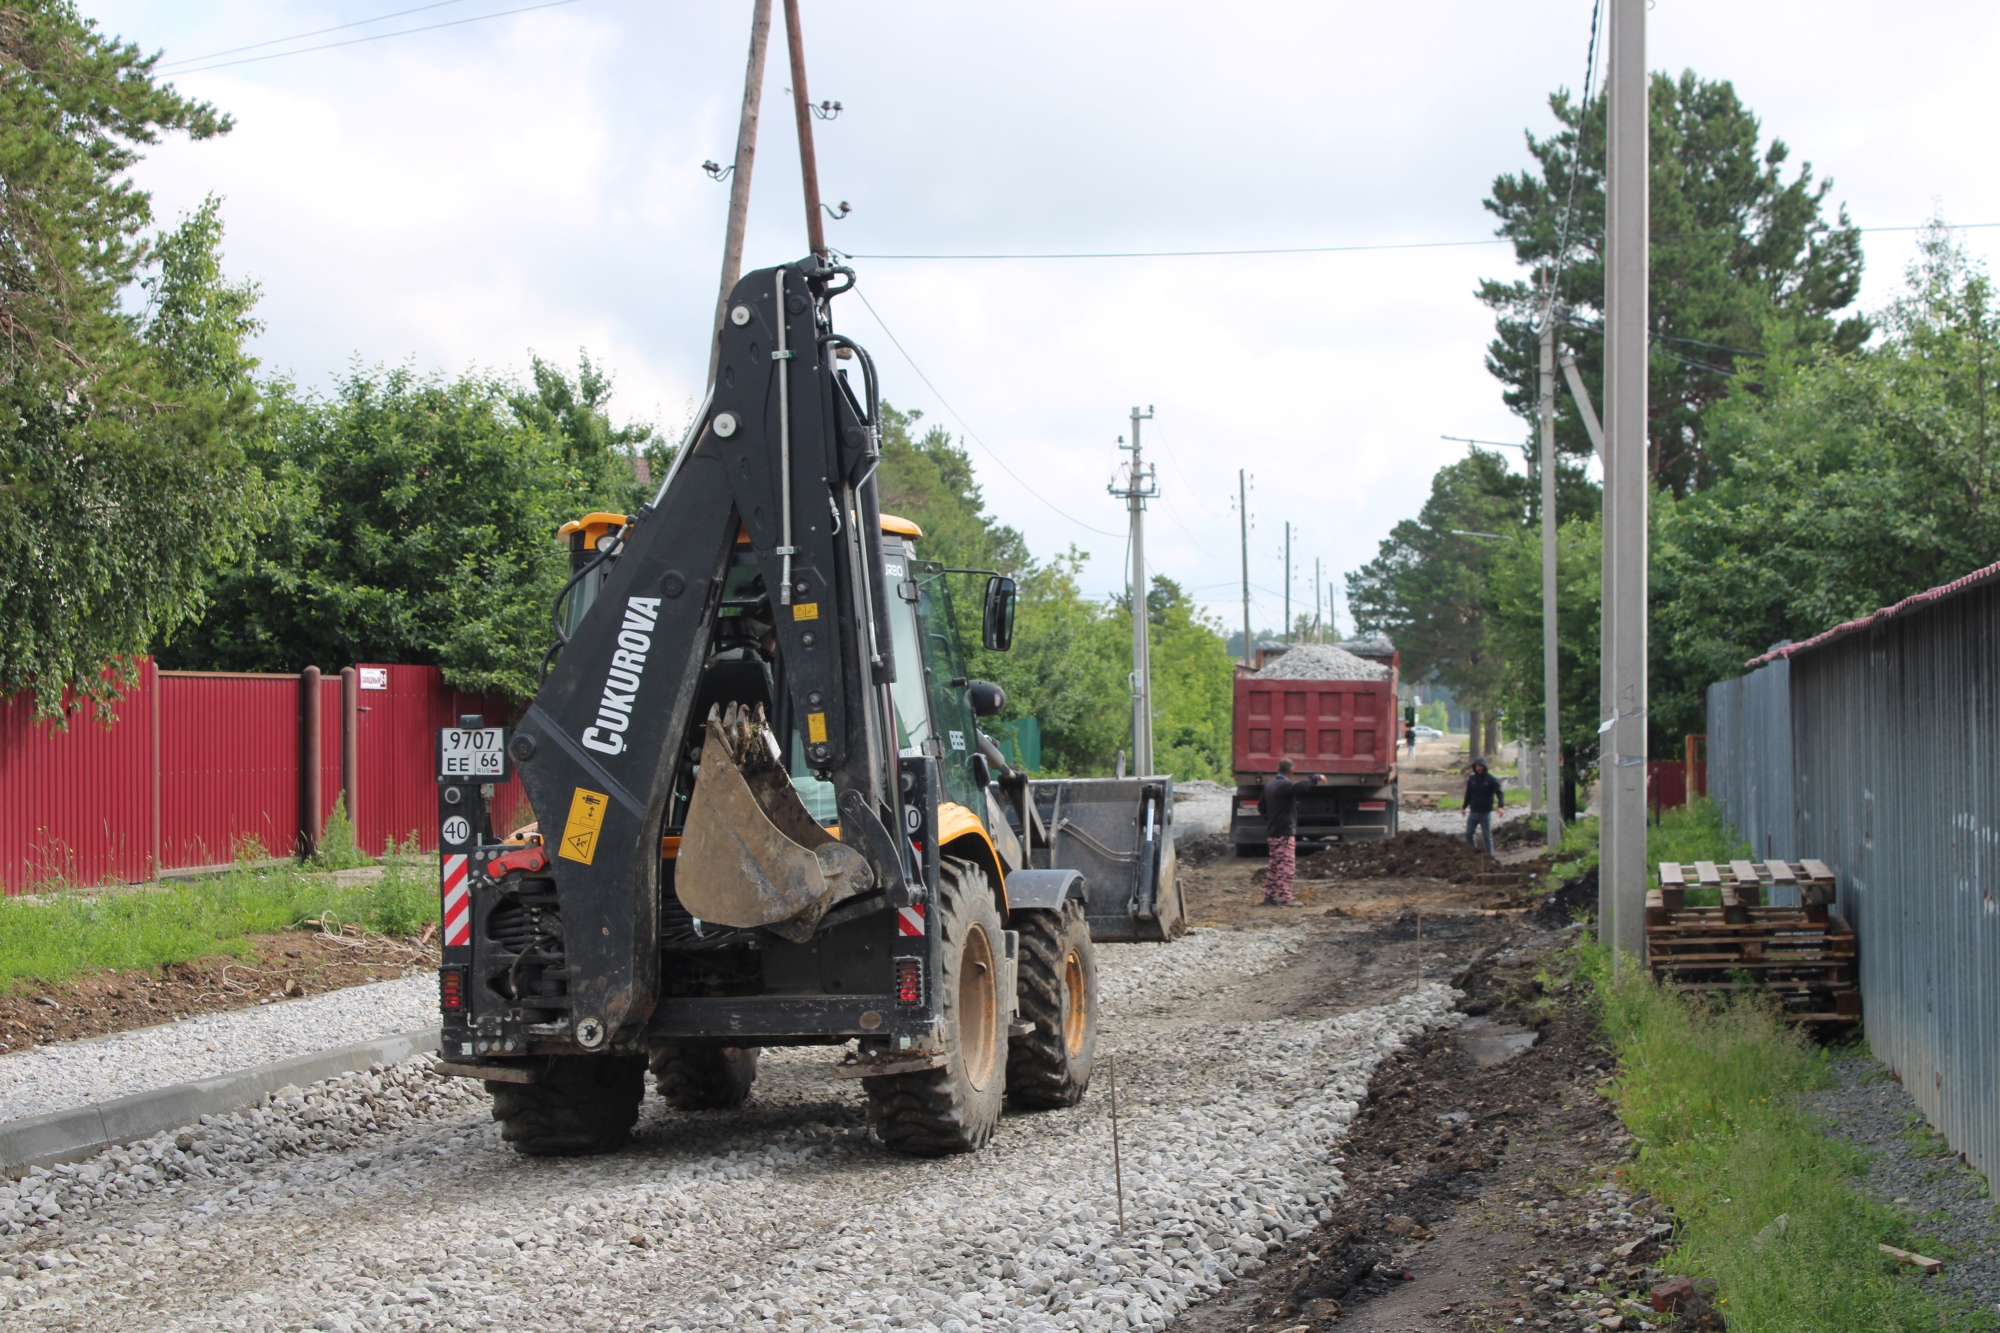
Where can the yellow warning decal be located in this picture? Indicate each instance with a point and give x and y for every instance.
(805, 611)
(586, 820)
(816, 728)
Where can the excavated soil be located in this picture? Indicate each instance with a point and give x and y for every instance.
(284, 964)
(1483, 1170)
(1482, 1185)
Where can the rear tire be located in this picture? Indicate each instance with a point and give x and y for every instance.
(583, 1104)
(953, 1109)
(1050, 1067)
(705, 1077)
(1253, 849)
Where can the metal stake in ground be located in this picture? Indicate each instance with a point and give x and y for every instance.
(1117, 1163)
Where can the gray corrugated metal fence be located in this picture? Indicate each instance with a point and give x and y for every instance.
(1891, 758)
(1750, 762)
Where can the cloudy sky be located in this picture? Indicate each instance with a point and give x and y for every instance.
(531, 180)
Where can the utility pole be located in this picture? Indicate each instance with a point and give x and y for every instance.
(1141, 486)
(1551, 704)
(1243, 528)
(802, 108)
(1319, 635)
(1625, 355)
(739, 176)
(1288, 581)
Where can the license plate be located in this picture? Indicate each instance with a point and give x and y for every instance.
(472, 752)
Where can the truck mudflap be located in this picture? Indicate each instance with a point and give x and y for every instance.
(1118, 833)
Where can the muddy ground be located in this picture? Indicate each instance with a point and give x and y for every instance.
(1483, 1169)
(285, 963)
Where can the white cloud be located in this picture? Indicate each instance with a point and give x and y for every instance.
(459, 197)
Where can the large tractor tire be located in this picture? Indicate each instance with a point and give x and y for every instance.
(704, 1076)
(954, 1108)
(582, 1104)
(1050, 1066)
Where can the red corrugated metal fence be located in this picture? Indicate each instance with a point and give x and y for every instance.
(196, 767)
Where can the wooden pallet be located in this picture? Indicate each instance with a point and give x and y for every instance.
(1803, 957)
(1748, 882)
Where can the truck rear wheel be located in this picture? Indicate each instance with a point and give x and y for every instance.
(1050, 1066)
(582, 1104)
(705, 1077)
(954, 1108)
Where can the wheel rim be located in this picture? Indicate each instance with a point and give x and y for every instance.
(1076, 1023)
(978, 1002)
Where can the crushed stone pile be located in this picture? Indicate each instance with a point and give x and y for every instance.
(1322, 661)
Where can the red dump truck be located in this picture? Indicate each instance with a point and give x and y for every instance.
(1331, 711)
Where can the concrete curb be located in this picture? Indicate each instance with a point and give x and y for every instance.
(69, 1136)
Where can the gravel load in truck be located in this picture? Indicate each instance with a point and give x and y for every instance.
(1322, 661)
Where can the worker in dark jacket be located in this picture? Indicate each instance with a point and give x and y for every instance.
(1482, 796)
(1280, 807)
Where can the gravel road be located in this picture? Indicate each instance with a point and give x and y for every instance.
(68, 1074)
(385, 1200)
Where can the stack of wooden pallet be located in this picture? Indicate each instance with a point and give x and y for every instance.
(1803, 956)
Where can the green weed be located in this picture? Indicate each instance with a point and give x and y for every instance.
(338, 847)
(1709, 1092)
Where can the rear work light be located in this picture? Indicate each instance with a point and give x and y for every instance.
(909, 981)
(451, 989)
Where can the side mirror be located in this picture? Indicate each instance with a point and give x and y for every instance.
(985, 698)
(997, 624)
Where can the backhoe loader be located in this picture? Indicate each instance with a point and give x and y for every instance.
(766, 815)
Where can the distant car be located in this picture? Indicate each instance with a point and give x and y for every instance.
(1428, 733)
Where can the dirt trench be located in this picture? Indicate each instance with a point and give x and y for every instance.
(1482, 1172)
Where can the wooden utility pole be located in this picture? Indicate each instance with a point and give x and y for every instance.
(802, 107)
(1623, 761)
(739, 176)
(1243, 528)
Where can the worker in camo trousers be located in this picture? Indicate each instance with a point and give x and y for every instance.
(1482, 795)
(1279, 805)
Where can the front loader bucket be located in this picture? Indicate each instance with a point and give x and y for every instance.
(750, 854)
(1119, 833)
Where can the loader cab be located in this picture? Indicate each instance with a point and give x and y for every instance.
(931, 709)
(587, 541)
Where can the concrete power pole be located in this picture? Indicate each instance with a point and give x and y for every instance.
(1243, 528)
(1141, 487)
(1551, 704)
(739, 177)
(1625, 356)
(1288, 581)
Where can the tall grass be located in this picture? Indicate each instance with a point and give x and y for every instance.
(54, 936)
(1766, 1200)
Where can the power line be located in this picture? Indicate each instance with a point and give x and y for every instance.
(377, 37)
(1195, 254)
(970, 433)
(316, 32)
(1339, 249)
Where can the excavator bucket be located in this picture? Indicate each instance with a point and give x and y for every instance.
(750, 853)
(1118, 832)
